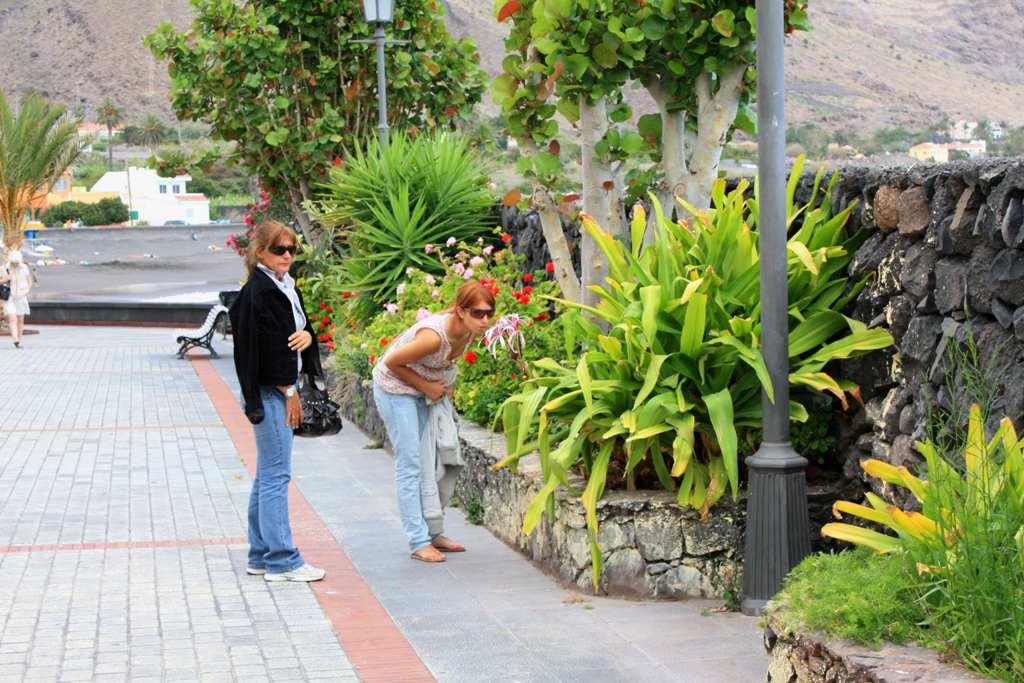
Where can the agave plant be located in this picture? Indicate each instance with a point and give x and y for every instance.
(389, 203)
(676, 379)
(994, 476)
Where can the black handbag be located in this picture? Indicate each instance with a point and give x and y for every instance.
(5, 291)
(320, 415)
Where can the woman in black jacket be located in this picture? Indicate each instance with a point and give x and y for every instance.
(273, 346)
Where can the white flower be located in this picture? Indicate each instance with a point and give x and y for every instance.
(428, 248)
(391, 308)
(400, 289)
(436, 294)
(475, 261)
(505, 333)
(429, 279)
(488, 249)
(459, 268)
(451, 242)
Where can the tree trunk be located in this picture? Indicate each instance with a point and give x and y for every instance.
(110, 148)
(551, 224)
(715, 116)
(673, 151)
(597, 192)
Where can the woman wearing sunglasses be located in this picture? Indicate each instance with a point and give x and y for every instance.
(419, 366)
(273, 345)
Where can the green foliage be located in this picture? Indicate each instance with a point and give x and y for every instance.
(967, 543)
(813, 438)
(289, 82)
(867, 598)
(388, 205)
(676, 380)
(37, 144)
(108, 211)
(560, 54)
(87, 174)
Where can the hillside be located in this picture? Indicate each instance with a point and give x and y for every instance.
(866, 64)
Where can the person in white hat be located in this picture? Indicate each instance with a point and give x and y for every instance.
(16, 307)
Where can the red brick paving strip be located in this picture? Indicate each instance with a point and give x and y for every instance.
(369, 636)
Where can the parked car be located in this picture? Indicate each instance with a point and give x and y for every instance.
(174, 222)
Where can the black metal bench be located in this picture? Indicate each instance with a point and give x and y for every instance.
(202, 337)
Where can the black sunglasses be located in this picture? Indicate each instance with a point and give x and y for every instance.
(280, 249)
(480, 313)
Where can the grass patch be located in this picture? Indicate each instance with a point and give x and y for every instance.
(857, 595)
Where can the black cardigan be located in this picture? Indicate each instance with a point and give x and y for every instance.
(261, 322)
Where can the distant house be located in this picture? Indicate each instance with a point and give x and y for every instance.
(156, 200)
(940, 152)
(995, 131)
(930, 151)
(96, 131)
(64, 190)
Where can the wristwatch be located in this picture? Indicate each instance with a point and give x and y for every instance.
(289, 392)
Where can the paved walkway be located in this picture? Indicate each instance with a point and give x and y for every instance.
(124, 477)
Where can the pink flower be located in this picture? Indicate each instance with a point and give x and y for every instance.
(428, 248)
(475, 261)
(468, 274)
(391, 308)
(505, 333)
(488, 250)
(436, 294)
(400, 289)
(422, 314)
(429, 279)
(450, 243)
(459, 268)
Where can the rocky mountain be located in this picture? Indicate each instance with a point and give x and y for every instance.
(866, 64)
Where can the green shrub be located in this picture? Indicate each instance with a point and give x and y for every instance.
(104, 212)
(867, 598)
(967, 542)
(389, 204)
(676, 380)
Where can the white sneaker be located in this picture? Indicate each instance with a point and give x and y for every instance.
(306, 572)
(255, 571)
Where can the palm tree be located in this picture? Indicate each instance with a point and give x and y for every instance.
(36, 146)
(153, 131)
(110, 115)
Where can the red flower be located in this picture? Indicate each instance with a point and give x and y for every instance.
(527, 289)
(383, 341)
(515, 376)
(495, 290)
(528, 277)
(345, 295)
(525, 299)
(540, 317)
(324, 320)
(470, 357)
(372, 359)
(329, 309)
(322, 306)
(330, 345)
(506, 238)
(550, 266)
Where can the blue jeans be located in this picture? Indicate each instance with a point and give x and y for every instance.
(270, 532)
(405, 417)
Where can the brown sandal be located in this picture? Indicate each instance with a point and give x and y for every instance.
(448, 545)
(424, 555)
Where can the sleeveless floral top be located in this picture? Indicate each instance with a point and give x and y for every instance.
(434, 366)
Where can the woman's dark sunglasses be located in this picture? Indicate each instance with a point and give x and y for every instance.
(480, 313)
(280, 249)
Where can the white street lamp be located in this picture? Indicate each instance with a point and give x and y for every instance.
(379, 11)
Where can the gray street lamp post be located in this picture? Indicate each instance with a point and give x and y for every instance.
(379, 13)
(778, 532)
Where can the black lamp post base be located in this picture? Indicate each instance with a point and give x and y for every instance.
(778, 529)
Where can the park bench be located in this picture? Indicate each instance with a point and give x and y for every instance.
(202, 337)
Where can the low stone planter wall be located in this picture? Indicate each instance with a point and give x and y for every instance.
(795, 657)
(652, 548)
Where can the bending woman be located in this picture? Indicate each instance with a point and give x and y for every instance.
(419, 367)
(273, 345)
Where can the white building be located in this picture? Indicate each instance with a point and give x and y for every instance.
(156, 200)
(963, 130)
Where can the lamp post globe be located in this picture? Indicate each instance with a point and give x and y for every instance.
(379, 11)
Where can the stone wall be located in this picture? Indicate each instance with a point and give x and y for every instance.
(651, 547)
(944, 259)
(795, 657)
